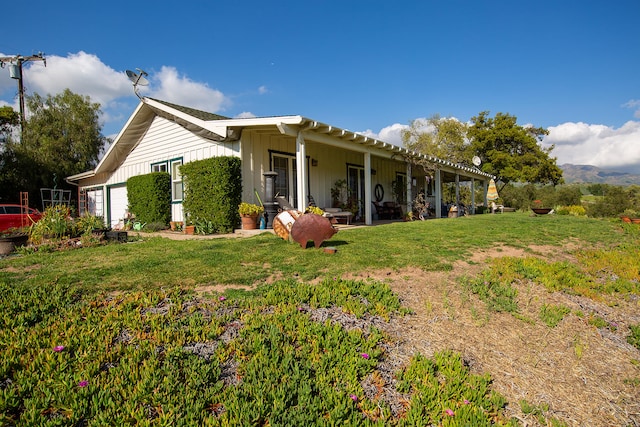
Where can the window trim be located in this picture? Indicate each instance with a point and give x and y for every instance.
(172, 162)
(165, 163)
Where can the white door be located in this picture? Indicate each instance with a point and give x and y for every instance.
(118, 204)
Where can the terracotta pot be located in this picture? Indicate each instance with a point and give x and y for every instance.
(249, 222)
(190, 229)
(635, 220)
(625, 219)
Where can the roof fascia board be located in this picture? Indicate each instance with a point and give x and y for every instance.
(132, 117)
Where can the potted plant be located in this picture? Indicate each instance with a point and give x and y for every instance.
(249, 213)
(538, 209)
(11, 239)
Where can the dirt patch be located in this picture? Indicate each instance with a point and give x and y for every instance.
(586, 375)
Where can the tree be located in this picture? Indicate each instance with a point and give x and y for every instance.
(9, 120)
(61, 137)
(511, 152)
(444, 138)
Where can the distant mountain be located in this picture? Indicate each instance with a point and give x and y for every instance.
(574, 174)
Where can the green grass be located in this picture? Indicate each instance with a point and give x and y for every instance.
(429, 245)
(304, 347)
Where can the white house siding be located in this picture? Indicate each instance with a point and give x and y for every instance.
(164, 141)
(256, 146)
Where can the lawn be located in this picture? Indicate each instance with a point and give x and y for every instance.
(256, 331)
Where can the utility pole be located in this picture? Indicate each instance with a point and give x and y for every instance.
(15, 71)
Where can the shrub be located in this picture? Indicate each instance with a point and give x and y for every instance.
(213, 191)
(150, 197)
(614, 202)
(87, 223)
(55, 223)
(575, 210)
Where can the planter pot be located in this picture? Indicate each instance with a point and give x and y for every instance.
(175, 225)
(117, 236)
(635, 220)
(625, 219)
(541, 211)
(190, 229)
(249, 222)
(10, 243)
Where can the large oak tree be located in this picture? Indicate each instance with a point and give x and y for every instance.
(511, 152)
(61, 137)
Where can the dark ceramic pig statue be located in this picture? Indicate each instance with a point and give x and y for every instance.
(312, 227)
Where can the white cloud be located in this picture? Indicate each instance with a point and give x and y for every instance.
(184, 91)
(391, 134)
(576, 143)
(87, 75)
(80, 72)
(245, 115)
(598, 145)
(263, 90)
(633, 104)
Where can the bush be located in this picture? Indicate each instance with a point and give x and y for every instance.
(55, 223)
(575, 210)
(213, 191)
(150, 197)
(614, 202)
(87, 223)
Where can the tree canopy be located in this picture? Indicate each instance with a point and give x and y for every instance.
(9, 120)
(442, 137)
(510, 151)
(61, 137)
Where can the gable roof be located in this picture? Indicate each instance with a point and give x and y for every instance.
(220, 128)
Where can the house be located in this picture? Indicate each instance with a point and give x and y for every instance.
(308, 157)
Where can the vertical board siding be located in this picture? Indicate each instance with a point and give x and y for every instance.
(164, 141)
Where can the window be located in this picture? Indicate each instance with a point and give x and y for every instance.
(400, 188)
(159, 167)
(355, 187)
(286, 182)
(176, 181)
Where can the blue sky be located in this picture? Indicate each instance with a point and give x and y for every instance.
(367, 66)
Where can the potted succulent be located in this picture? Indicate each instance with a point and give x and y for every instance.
(11, 239)
(249, 213)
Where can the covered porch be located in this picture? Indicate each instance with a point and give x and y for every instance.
(374, 174)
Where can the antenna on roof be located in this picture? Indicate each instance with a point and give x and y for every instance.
(138, 79)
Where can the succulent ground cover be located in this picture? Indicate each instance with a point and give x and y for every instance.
(489, 320)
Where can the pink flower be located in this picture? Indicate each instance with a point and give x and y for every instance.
(83, 383)
(353, 397)
(221, 298)
(449, 412)
(58, 348)
(365, 355)
(466, 402)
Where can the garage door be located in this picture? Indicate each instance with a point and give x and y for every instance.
(118, 204)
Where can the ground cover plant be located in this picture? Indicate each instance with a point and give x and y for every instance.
(488, 320)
